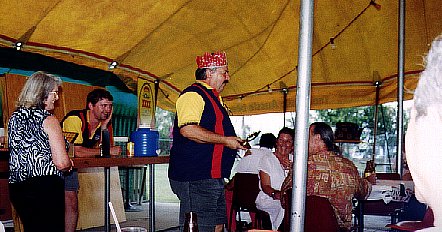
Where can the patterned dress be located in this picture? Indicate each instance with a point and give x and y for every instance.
(30, 152)
(36, 187)
(337, 179)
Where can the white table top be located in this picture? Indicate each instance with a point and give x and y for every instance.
(389, 190)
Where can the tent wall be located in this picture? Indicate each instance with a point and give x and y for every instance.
(71, 96)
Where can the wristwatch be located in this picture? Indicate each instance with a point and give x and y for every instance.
(273, 194)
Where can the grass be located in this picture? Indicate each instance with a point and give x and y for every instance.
(163, 193)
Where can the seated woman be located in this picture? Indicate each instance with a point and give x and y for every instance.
(249, 164)
(273, 169)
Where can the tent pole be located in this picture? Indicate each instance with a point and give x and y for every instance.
(400, 88)
(285, 92)
(152, 171)
(156, 87)
(303, 91)
(386, 139)
(376, 112)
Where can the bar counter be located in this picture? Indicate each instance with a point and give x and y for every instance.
(118, 161)
(114, 161)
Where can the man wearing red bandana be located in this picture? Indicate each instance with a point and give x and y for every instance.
(204, 145)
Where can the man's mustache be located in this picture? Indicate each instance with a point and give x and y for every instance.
(225, 81)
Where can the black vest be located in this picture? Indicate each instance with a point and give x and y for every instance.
(190, 160)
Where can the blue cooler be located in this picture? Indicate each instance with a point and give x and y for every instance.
(145, 142)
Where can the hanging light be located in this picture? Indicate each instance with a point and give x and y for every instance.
(269, 89)
(332, 43)
(377, 6)
(113, 65)
(18, 45)
(283, 87)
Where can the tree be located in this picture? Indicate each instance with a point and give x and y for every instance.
(164, 123)
(386, 135)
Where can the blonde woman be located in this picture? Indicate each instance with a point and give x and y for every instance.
(37, 156)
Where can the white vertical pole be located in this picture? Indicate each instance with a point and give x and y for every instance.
(400, 86)
(303, 91)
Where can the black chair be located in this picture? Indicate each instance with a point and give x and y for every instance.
(319, 214)
(245, 190)
(413, 211)
(426, 222)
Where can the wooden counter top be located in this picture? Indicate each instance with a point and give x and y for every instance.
(104, 162)
(118, 161)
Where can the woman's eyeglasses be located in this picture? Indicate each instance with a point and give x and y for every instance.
(55, 93)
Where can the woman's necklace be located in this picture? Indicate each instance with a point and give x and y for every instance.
(284, 161)
(286, 166)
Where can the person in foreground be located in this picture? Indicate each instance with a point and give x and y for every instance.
(273, 169)
(204, 145)
(332, 176)
(424, 134)
(38, 156)
(89, 124)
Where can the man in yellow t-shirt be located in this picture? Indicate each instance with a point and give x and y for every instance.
(89, 124)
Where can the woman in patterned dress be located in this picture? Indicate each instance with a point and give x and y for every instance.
(37, 156)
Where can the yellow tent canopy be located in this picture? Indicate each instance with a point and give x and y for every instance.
(354, 44)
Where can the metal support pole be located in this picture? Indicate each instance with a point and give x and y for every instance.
(157, 87)
(106, 199)
(400, 87)
(303, 91)
(143, 186)
(375, 126)
(285, 91)
(127, 206)
(152, 197)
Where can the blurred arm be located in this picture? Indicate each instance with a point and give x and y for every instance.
(51, 126)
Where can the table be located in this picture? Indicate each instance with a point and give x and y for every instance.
(380, 203)
(116, 161)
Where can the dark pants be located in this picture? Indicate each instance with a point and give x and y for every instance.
(39, 201)
(203, 197)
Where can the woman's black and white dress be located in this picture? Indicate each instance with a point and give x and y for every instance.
(36, 186)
